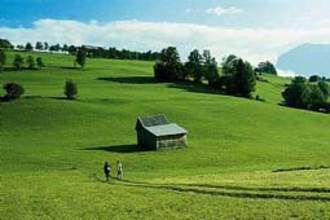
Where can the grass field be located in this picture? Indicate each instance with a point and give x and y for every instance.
(53, 150)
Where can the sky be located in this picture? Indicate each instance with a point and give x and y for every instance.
(256, 30)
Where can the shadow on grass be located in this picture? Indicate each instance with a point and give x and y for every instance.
(51, 97)
(185, 85)
(70, 68)
(226, 191)
(194, 87)
(133, 148)
(13, 69)
(272, 189)
(322, 167)
(130, 80)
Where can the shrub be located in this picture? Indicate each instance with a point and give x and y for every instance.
(13, 91)
(18, 62)
(40, 63)
(30, 62)
(266, 67)
(70, 90)
(301, 94)
(81, 57)
(297, 94)
(314, 78)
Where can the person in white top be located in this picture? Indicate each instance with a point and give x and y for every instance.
(120, 173)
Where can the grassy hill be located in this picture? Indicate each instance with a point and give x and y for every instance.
(52, 150)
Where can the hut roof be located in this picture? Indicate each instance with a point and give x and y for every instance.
(166, 130)
(155, 120)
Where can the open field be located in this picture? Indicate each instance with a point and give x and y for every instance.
(52, 150)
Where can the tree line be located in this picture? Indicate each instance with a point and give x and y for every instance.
(238, 76)
(91, 51)
(19, 62)
(310, 95)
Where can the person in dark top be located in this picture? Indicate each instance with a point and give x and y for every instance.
(107, 170)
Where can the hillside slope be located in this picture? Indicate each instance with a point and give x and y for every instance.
(52, 149)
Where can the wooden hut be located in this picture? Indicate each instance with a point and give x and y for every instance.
(156, 133)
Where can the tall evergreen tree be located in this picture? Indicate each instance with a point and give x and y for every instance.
(210, 71)
(194, 66)
(239, 77)
(169, 67)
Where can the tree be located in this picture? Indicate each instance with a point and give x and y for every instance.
(56, 47)
(2, 59)
(266, 67)
(194, 66)
(324, 87)
(20, 47)
(28, 46)
(72, 50)
(246, 80)
(13, 91)
(314, 78)
(30, 62)
(239, 77)
(301, 94)
(297, 94)
(317, 97)
(81, 57)
(228, 79)
(70, 90)
(18, 62)
(210, 69)
(168, 67)
(65, 48)
(299, 79)
(40, 63)
(39, 45)
(4, 43)
(46, 46)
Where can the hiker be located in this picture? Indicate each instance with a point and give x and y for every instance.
(120, 172)
(107, 170)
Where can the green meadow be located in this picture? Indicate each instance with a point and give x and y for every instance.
(53, 150)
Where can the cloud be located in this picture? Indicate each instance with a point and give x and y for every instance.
(253, 44)
(188, 10)
(224, 11)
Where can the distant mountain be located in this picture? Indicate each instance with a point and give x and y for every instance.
(307, 59)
